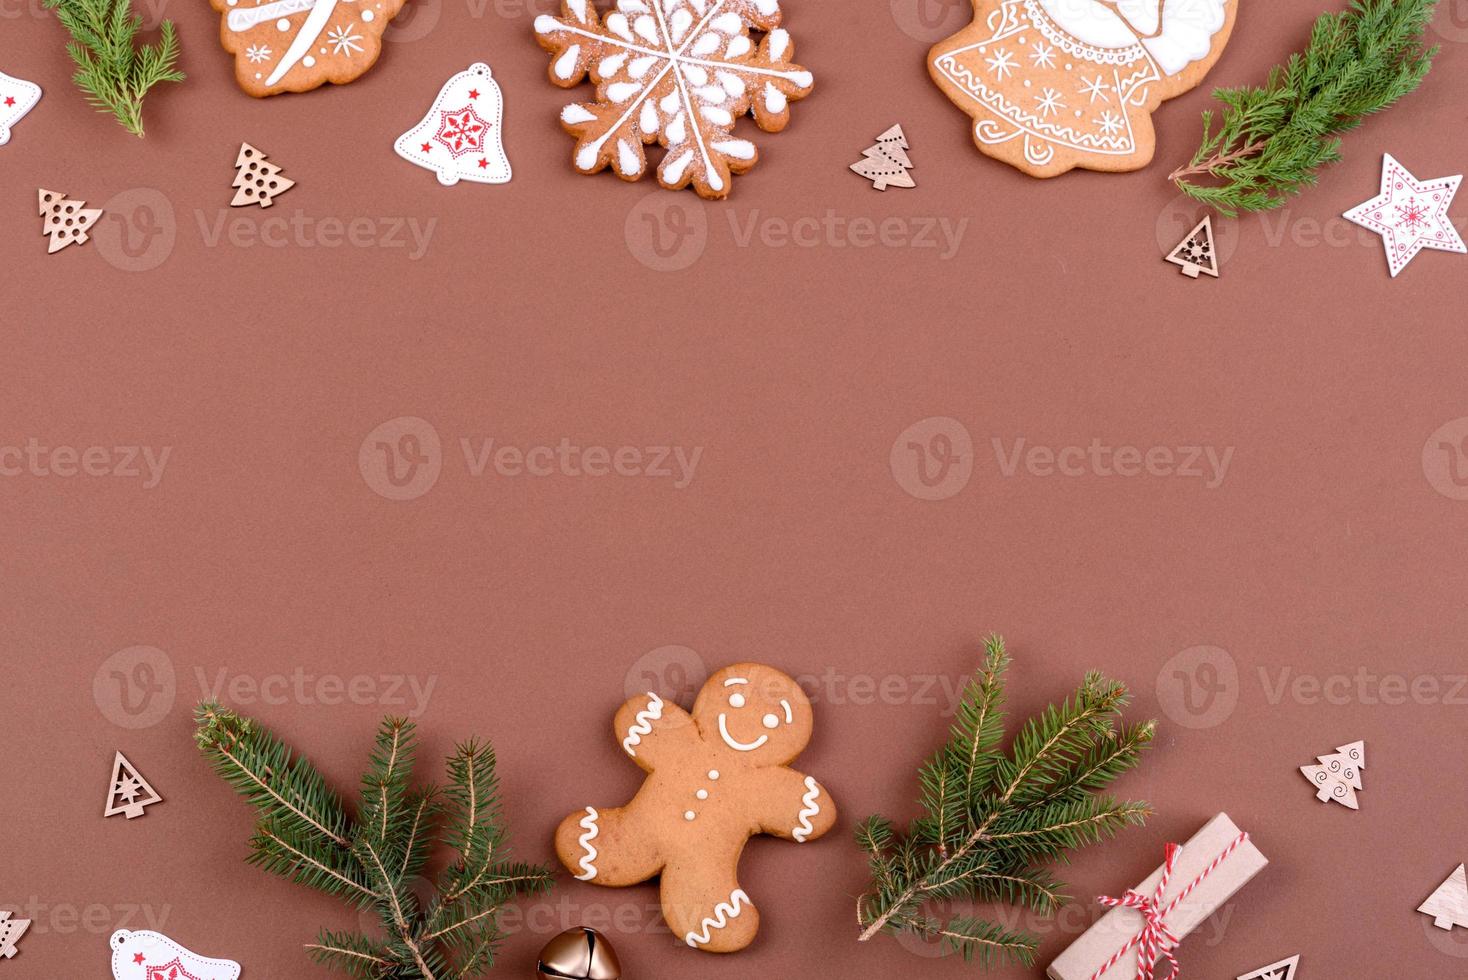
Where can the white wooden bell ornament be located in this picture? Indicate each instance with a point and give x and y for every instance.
(460, 138)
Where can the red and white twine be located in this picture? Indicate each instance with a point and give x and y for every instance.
(1155, 939)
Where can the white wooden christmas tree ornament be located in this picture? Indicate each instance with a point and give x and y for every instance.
(1338, 775)
(460, 137)
(129, 792)
(1283, 970)
(1195, 254)
(1448, 906)
(146, 955)
(256, 179)
(65, 221)
(10, 932)
(17, 97)
(885, 162)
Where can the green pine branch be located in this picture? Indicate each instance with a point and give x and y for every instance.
(1271, 141)
(991, 818)
(372, 859)
(112, 70)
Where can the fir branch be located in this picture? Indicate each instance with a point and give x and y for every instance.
(992, 817)
(372, 859)
(111, 70)
(1271, 142)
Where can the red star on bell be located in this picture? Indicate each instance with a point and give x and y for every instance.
(137, 957)
(483, 164)
(426, 148)
(10, 100)
(474, 93)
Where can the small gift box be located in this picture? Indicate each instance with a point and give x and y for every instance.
(1136, 939)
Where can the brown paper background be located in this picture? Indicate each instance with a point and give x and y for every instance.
(531, 602)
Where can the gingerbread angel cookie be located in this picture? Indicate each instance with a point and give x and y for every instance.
(297, 45)
(715, 779)
(1057, 84)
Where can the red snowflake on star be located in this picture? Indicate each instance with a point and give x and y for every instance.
(172, 970)
(462, 131)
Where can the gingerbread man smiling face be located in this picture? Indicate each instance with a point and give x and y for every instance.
(715, 778)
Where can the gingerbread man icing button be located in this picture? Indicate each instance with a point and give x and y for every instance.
(716, 777)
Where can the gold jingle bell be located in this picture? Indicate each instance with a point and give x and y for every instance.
(579, 954)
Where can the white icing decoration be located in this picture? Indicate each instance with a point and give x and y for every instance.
(577, 8)
(779, 44)
(770, 721)
(789, 715)
(628, 162)
(311, 29)
(588, 823)
(576, 113)
(622, 91)
(706, 45)
(702, 794)
(641, 66)
(688, 814)
(774, 99)
(714, 774)
(565, 66)
(739, 47)
(738, 149)
(611, 65)
(368, 16)
(648, 123)
(724, 912)
(736, 700)
(809, 808)
(642, 721)
(282, 25)
(730, 740)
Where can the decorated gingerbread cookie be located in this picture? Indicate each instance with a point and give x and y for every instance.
(679, 73)
(715, 779)
(1057, 84)
(297, 45)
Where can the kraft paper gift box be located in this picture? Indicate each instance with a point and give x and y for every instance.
(1122, 925)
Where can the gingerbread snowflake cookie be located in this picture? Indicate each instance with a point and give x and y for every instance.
(297, 45)
(715, 778)
(1057, 84)
(678, 73)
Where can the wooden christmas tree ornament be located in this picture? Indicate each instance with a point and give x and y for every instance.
(1283, 970)
(257, 180)
(128, 792)
(1338, 775)
(1195, 253)
(1449, 904)
(65, 221)
(579, 954)
(885, 162)
(12, 929)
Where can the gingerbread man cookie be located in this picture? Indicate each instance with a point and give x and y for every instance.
(715, 778)
(297, 45)
(1057, 84)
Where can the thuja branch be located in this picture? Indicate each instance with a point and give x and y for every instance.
(112, 70)
(993, 819)
(1271, 142)
(372, 857)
